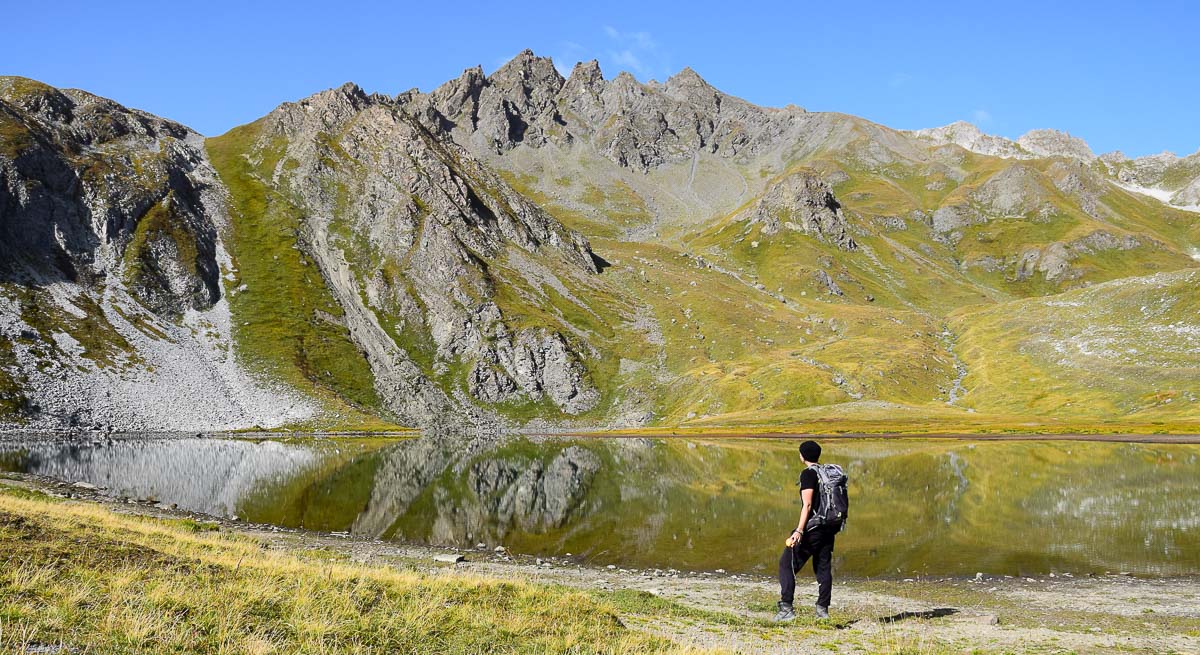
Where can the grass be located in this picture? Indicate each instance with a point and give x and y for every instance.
(1125, 349)
(282, 317)
(94, 581)
(15, 136)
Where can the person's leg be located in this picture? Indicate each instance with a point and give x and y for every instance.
(823, 568)
(790, 563)
(787, 577)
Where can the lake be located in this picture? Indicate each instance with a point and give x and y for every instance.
(931, 507)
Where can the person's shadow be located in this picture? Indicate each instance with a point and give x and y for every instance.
(927, 614)
(902, 616)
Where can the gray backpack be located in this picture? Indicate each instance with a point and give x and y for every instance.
(835, 499)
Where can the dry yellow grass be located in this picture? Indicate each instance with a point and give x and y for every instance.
(81, 576)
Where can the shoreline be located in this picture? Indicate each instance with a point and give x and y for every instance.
(1006, 614)
(1184, 438)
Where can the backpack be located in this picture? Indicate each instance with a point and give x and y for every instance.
(835, 500)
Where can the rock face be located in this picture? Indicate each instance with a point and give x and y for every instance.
(638, 126)
(536, 364)
(90, 190)
(803, 202)
(112, 314)
(1053, 143)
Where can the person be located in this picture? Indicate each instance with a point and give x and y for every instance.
(810, 540)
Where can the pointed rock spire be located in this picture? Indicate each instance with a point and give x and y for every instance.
(585, 74)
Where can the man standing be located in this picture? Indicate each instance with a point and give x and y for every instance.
(823, 493)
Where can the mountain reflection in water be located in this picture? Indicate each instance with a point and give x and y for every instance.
(918, 507)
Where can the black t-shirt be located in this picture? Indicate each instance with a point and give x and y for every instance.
(809, 480)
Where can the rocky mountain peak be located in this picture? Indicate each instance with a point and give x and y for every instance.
(536, 74)
(969, 137)
(585, 76)
(688, 86)
(1055, 143)
(687, 77)
(625, 78)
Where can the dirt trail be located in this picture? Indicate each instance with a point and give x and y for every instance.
(987, 614)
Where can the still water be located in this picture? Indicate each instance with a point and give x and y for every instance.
(918, 507)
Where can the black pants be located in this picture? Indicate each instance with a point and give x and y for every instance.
(818, 545)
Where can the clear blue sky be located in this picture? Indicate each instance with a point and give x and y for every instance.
(1122, 75)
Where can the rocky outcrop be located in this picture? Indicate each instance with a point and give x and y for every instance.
(1015, 191)
(1054, 143)
(1034, 144)
(536, 364)
(1053, 262)
(802, 202)
(91, 190)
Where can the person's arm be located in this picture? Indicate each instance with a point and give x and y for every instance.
(806, 496)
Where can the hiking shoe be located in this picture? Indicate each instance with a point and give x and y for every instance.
(822, 612)
(786, 613)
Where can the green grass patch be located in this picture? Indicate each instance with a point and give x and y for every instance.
(285, 319)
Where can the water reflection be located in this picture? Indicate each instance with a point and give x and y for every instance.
(918, 507)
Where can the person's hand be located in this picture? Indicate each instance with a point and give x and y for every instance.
(791, 541)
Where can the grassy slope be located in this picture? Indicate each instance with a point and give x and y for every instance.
(285, 317)
(734, 348)
(98, 582)
(95, 581)
(736, 356)
(1128, 349)
(903, 269)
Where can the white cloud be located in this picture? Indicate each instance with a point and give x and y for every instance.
(626, 59)
(567, 55)
(898, 80)
(637, 52)
(981, 116)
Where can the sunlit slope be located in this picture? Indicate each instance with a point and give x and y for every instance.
(953, 229)
(729, 345)
(1125, 349)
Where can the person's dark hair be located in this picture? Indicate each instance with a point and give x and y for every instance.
(810, 451)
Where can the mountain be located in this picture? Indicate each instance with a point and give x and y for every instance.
(112, 268)
(1165, 176)
(522, 248)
